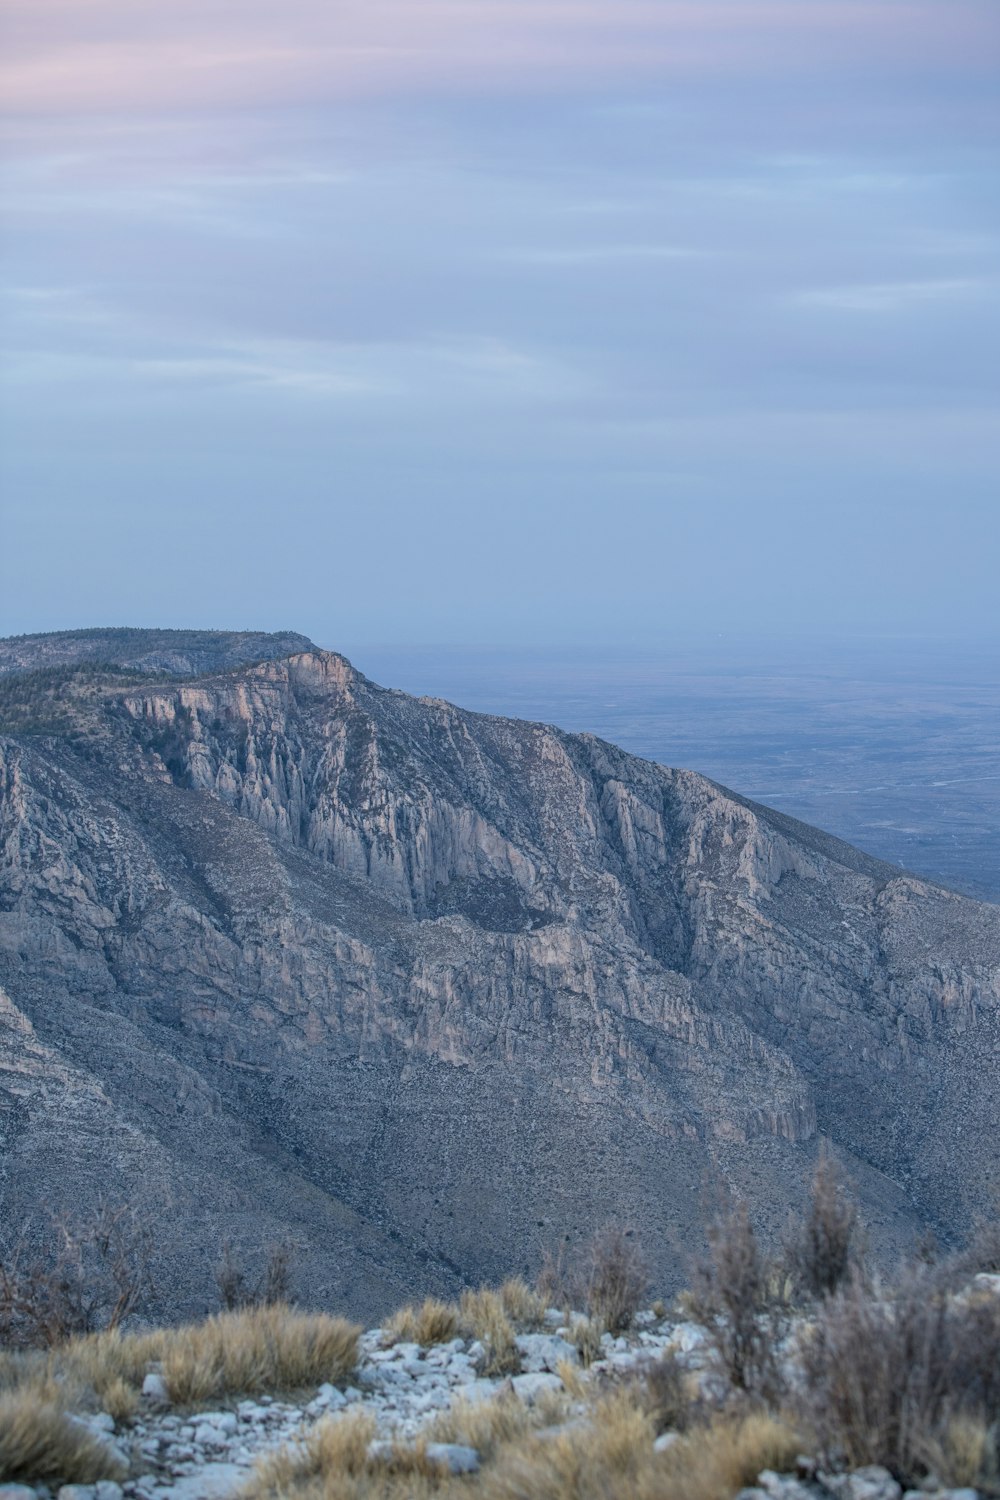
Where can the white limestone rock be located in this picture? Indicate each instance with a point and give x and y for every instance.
(545, 1351)
(154, 1388)
(530, 1387)
(456, 1457)
(870, 1483)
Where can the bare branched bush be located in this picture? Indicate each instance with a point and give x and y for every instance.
(823, 1247)
(557, 1283)
(886, 1375)
(616, 1277)
(661, 1388)
(271, 1288)
(733, 1298)
(87, 1276)
(607, 1278)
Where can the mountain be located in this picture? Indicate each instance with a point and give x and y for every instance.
(184, 653)
(283, 952)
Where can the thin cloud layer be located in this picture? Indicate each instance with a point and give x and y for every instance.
(99, 55)
(588, 320)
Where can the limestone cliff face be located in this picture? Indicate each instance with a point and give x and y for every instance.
(438, 989)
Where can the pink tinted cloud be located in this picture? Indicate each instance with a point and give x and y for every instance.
(65, 55)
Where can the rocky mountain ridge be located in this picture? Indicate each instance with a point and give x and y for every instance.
(183, 653)
(286, 952)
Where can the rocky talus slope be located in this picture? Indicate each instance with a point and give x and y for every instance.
(284, 953)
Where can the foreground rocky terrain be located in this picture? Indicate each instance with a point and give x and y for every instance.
(428, 1412)
(287, 954)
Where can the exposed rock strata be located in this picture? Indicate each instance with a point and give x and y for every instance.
(433, 989)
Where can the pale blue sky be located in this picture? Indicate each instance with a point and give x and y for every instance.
(467, 322)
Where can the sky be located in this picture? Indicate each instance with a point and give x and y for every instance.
(527, 321)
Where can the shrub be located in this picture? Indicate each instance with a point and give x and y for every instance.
(609, 1279)
(983, 1250)
(887, 1376)
(733, 1298)
(41, 1444)
(661, 1389)
(555, 1284)
(272, 1286)
(822, 1248)
(617, 1277)
(88, 1276)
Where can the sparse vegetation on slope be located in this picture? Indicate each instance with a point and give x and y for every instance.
(60, 700)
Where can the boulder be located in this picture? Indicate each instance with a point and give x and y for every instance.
(545, 1351)
(456, 1457)
(530, 1387)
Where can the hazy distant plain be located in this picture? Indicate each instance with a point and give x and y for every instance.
(894, 747)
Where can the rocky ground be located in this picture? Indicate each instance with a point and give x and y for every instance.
(209, 1454)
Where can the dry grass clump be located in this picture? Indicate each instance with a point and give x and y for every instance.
(111, 1365)
(607, 1457)
(488, 1315)
(491, 1425)
(40, 1444)
(613, 1459)
(119, 1399)
(905, 1379)
(484, 1317)
(715, 1462)
(433, 1322)
(586, 1333)
(964, 1455)
(260, 1349)
(523, 1305)
(103, 1371)
(483, 1425)
(336, 1449)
